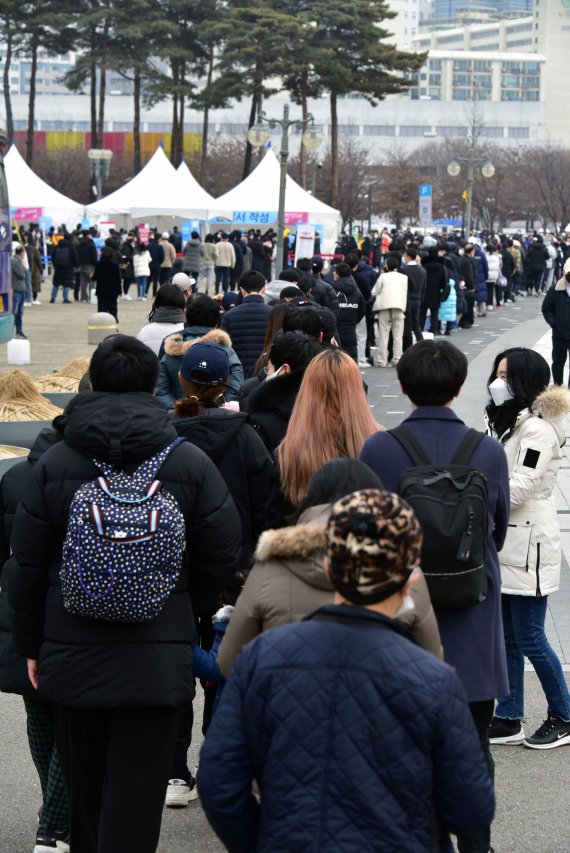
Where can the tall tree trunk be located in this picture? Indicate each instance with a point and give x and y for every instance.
(334, 151)
(7, 95)
(93, 92)
(137, 120)
(180, 146)
(103, 81)
(248, 152)
(206, 118)
(175, 119)
(93, 105)
(302, 149)
(32, 101)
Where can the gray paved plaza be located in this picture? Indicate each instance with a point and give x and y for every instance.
(532, 786)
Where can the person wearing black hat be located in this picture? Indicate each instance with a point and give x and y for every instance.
(240, 456)
(353, 731)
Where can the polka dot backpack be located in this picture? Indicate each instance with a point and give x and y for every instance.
(124, 544)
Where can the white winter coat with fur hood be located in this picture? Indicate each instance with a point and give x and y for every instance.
(530, 559)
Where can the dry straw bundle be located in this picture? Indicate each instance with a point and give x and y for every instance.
(66, 380)
(7, 452)
(20, 400)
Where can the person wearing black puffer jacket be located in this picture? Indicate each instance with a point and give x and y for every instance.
(246, 324)
(271, 403)
(351, 308)
(53, 819)
(118, 687)
(436, 284)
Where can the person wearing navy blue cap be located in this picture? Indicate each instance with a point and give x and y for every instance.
(245, 464)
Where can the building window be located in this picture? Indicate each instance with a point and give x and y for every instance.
(348, 129)
(379, 130)
(413, 130)
(434, 65)
(492, 132)
(451, 131)
(518, 132)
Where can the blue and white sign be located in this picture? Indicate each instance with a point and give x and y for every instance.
(45, 223)
(255, 217)
(425, 214)
(186, 228)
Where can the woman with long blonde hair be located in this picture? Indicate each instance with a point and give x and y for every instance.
(331, 419)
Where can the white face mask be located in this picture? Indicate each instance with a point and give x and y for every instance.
(405, 607)
(274, 375)
(500, 392)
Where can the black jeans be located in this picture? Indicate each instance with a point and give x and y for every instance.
(535, 280)
(115, 763)
(414, 308)
(482, 713)
(560, 349)
(433, 313)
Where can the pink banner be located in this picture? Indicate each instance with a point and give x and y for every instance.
(293, 217)
(27, 214)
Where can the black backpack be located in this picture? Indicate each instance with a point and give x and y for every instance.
(61, 256)
(450, 502)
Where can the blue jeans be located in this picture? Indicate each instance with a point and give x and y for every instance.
(18, 299)
(29, 294)
(523, 625)
(54, 290)
(223, 278)
(141, 285)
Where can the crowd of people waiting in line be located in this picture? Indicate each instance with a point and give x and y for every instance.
(345, 728)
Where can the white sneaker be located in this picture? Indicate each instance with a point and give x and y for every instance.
(36, 302)
(50, 844)
(363, 365)
(126, 297)
(27, 304)
(489, 307)
(179, 793)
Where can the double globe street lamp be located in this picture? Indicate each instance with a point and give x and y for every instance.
(487, 170)
(99, 167)
(258, 136)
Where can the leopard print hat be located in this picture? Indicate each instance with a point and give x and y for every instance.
(373, 545)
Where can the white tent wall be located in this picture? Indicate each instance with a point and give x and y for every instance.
(260, 192)
(158, 190)
(26, 189)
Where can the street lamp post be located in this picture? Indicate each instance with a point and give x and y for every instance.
(99, 167)
(258, 136)
(370, 185)
(487, 170)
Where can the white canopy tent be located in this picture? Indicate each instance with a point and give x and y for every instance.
(259, 192)
(157, 191)
(28, 192)
(192, 190)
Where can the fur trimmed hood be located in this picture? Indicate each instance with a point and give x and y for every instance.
(301, 541)
(552, 404)
(299, 548)
(177, 345)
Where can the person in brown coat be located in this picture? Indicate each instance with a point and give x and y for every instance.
(287, 580)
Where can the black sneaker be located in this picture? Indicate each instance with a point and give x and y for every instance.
(552, 733)
(505, 731)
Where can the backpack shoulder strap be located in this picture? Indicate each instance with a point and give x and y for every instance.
(150, 468)
(411, 445)
(467, 448)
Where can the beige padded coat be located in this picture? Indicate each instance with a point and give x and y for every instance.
(287, 581)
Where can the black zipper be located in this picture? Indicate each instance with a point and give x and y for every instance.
(538, 592)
